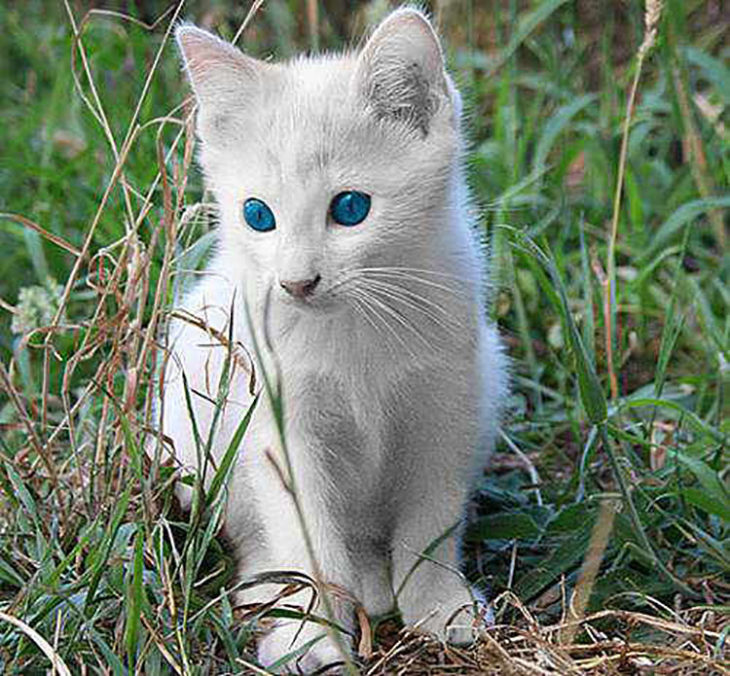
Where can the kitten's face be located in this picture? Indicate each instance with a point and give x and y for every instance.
(324, 167)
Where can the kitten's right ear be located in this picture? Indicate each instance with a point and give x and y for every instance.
(224, 79)
(401, 71)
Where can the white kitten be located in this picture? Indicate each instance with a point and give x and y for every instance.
(346, 229)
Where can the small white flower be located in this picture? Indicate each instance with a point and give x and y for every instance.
(37, 305)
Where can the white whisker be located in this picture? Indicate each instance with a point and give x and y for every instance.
(362, 310)
(424, 271)
(379, 297)
(413, 301)
(399, 274)
(413, 295)
(374, 304)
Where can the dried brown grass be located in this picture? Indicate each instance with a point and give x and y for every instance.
(609, 642)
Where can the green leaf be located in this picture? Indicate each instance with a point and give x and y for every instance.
(221, 476)
(109, 655)
(528, 22)
(710, 545)
(691, 418)
(134, 600)
(8, 572)
(504, 526)
(556, 124)
(294, 654)
(707, 317)
(34, 245)
(682, 215)
(564, 558)
(572, 518)
(100, 556)
(22, 492)
(635, 203)
(712, 69)
(591, 392)
(589, 331)
(706, 503)
(715, 496)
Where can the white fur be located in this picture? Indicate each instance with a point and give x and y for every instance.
(392, 394)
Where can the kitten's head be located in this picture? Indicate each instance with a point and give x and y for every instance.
(324, 166)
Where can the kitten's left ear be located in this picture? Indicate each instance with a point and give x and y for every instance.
(401, 71)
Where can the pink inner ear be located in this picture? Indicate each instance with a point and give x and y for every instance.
(204, 54)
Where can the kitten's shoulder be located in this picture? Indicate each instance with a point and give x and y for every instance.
(204, 328)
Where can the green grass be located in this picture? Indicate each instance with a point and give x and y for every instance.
(94, 555)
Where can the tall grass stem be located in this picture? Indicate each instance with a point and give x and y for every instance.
(651, 21)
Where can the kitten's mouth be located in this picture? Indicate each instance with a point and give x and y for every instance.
(320, 302)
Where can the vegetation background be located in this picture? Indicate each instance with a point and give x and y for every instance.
(606, 510)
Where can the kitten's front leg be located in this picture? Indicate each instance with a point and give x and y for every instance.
(436, 458)
(285, 549)
(433, 595)
(313, 646)
(318, 651)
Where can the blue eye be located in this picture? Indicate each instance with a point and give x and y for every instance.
(350, 208)
(258, 215)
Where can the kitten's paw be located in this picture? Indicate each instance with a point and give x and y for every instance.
(312, 650)
(455, 623)
(465, 624)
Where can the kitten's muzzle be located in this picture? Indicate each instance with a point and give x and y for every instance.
(300, 289)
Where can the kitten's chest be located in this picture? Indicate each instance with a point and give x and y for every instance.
(339, 425)
(342, 392)
(332, 410)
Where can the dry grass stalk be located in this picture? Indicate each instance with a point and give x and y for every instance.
(525, 647)
(591, 564)
(695, 153)
(51, 237)
(16, 399)
(313, 23)
(58, 665)
(113, 335)
(652, 16)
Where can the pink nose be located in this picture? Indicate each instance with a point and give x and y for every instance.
(302, 288)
